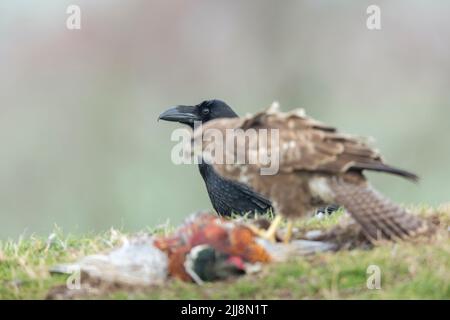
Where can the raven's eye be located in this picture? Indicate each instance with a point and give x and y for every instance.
(205, 111)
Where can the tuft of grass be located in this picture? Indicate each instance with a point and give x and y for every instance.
(24, 263)
(408, 270)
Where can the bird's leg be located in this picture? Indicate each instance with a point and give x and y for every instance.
(259, 232)
(270, 233)
(288, 235)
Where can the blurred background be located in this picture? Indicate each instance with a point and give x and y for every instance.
(80, 146)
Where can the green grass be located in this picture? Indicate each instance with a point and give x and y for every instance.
(408, 270)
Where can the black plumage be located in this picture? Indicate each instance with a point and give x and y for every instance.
(227, 197)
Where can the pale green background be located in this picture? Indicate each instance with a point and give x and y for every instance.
(79, 143)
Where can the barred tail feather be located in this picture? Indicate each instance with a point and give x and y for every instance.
(379, 217)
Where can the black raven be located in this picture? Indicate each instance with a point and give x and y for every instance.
(227, 197)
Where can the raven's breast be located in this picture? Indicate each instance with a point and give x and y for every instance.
(228, 197)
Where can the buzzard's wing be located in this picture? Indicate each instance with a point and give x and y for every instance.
(304, 144)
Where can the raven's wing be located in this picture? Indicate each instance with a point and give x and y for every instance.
(257, 199)
(228, 196)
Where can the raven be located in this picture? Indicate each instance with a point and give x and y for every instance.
(227, 197)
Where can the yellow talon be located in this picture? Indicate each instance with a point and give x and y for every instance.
(270, 233)
(259, 232)
(288, 235)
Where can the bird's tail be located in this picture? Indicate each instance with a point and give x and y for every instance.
(379, 217)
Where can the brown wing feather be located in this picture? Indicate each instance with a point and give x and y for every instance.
(307, 144)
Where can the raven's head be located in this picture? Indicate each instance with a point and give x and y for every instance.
(204, 111)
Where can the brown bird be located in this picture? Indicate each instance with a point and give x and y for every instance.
(317, 166)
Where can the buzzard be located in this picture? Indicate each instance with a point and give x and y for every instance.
(317, 165)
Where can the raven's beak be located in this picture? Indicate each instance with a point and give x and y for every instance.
(182, 114)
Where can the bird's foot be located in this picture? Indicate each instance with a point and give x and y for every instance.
(270, 234)
(259, 232)
(263, 233)
(288, 234)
